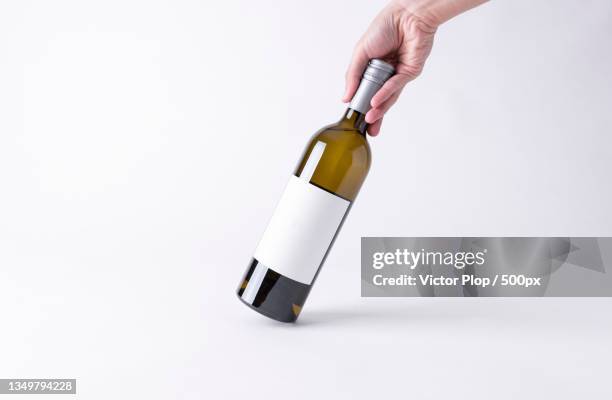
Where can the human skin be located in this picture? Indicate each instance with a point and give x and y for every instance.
(402, 34)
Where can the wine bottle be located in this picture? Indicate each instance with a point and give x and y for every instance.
(312, 208)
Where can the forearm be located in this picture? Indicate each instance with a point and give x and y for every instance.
(436, 12)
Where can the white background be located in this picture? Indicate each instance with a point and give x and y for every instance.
(144, 144)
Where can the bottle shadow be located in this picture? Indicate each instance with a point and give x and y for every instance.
(435, 311)
(405, 315)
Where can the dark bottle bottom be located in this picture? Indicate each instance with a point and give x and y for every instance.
(272, 294)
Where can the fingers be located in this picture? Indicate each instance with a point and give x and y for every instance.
(393, 86)
(355, 70)
(374, 129)
(374, 117)
(377, 113)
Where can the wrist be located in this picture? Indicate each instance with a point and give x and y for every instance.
(434, 12)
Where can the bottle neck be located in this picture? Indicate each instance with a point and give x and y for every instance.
(354, 120)
(373, 78)
(360, 104)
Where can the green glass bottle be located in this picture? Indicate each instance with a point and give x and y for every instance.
(312, 209)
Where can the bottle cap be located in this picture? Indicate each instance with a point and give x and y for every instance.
(378, 71)
(374, 77)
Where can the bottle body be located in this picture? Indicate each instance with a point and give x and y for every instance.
(307, 219)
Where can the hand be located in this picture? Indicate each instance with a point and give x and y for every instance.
(402, 34)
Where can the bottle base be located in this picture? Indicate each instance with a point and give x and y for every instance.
(272, 294)
(265, 313)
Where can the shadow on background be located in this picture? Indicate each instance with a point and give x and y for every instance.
(514, 311)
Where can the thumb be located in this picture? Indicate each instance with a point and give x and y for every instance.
(355, 70)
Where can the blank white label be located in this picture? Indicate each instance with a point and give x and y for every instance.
(301, 230)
